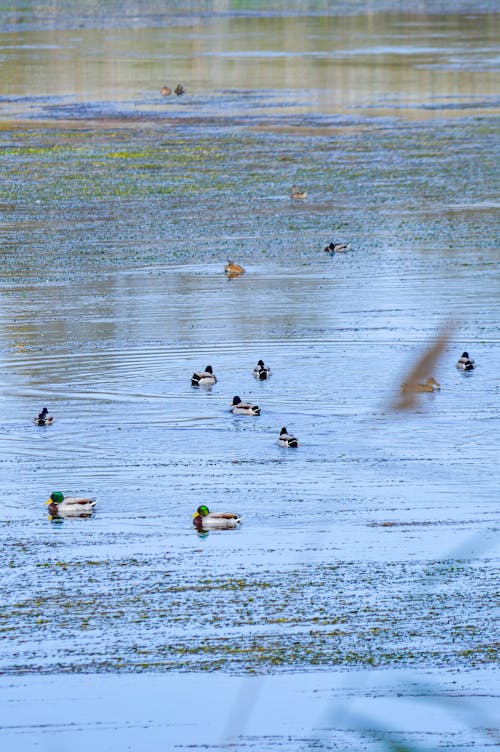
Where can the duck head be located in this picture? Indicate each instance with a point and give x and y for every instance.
(465, 355)
(283, 430)
(236, 400)
(209, 369)
(55, 498)
(261, 363)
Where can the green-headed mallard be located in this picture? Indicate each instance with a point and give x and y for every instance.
(286, 439)
(203, 519)
(465, 363)
(204, 378)
(43, 418)
(297, 193)
(244, 408)
(68, 506)
(261, 371)
(179, 90)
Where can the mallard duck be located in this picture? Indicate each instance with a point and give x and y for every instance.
(204, 378)
(431, 385)
(286, 440)
(465, 363)
(43, 418)
(179, 90)
(337, 247)
(296, 193)
(165, 91)
(68, 506)
(261, 371)
(244, 408)
(203, 519)
(233, 270)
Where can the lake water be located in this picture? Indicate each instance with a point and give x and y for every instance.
(356, 606)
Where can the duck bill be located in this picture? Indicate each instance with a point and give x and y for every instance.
(49, 501)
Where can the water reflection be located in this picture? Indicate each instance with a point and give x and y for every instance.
(323, 64)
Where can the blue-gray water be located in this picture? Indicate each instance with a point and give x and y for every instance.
(364, 576)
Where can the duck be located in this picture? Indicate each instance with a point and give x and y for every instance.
(465, 363)
(286, 439)
(233, 270)
(204, 378)
(165, 91)
(43, 418)
(69, 506)
(261, 371)
(179, 90)
(431, 385)
(337, 247)
(204, 519)
(296, 193)
(244, 408)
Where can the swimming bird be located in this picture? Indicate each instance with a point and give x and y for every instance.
(165, 91)
(68, 506)
(261, 371)
(337, 247)
(297, 193)
(244, 408)
(465, 363)
(204, 378)
(43, 418)
(203, 519)
(286, 439)
(431, 385)
(179, 90)
(233, 270)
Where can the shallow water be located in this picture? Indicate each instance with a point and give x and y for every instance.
(371, 551)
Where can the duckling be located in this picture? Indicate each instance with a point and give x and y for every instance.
(261, 371)
(337, 247)
(43, 418)
(67, 506)
(233, 270)
(165, 91)
(465, 363)
(204, 378)
(203, 519)
(296, 193)
(244, 408)
(431, 385)
(179, 90)
(286, 440)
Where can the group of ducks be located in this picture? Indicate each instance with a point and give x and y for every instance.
(261, 372)
(464, 363)
(60, 506)
(165, 91)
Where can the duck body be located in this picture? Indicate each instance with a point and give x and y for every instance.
(69, 506)
(465, 363)
(431, 385)
(43, 418)
(204, 378)
(233, 270)
(244, 408)
(286, 439)
(203, 519)
(337, 247)
(296, 193)
(261, 371)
